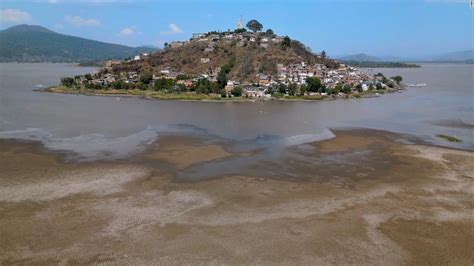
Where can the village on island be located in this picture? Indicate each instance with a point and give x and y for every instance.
(298, 80)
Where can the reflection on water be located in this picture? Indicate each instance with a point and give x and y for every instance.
(94, 127)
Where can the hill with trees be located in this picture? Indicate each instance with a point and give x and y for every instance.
(30, 43)
(257, 55)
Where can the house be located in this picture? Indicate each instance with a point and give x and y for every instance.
(136, 58)
(205, 60)
(229, 86)
(165, 70)
(197, 36)
(176, 44)
(264, 45)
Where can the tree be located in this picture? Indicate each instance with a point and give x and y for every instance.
(88, 76)
(67, 81)
(286, 41)
(303, 89)
(223, 93)
(269, 32)
(141, 86)
(222, 79)
(292, 89)
(347, 88)
(146, 77)
(254, 25)
(164, 84)
(182, 77)
(237, 91)
(314, 84)
(214, 87)
(282, 88)
(397, 79)
(242, 30)
(270, 90)
(323, 55)
(337, 89)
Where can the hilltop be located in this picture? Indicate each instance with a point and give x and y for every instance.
(32, 43)
(251, 54)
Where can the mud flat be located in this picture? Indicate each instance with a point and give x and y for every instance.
(362, 197)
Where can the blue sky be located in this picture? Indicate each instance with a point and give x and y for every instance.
(377, 27)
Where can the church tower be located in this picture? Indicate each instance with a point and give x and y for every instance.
(239, 24)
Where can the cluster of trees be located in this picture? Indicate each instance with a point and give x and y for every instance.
(314, 85)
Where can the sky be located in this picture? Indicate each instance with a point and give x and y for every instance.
(405, 28)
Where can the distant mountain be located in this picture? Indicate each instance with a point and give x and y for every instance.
(360, 57)
(32, 43)
(149, 46)
(455, 56)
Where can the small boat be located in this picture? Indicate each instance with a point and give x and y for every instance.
(417, 85)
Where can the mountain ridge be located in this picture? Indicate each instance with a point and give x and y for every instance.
(34, 43)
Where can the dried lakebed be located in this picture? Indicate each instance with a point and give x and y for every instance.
(362, 197)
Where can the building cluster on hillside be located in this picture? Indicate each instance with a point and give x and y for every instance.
(286, 74)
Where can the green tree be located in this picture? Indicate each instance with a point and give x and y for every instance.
(337, 89)
(397, 79)
(269, 32)
(254, 25)
(214, 87)
(286, 42)
(240, 30)
(141, 86)
(303, 89)
(88, 76)
(182, 77)
(164, 84)
(314, 84)
(347, 88)
(292, 89)
(323, 55)
(237, 91)
(222, 79)
(146, 77)
(282, 88)
(223, 93)
(68, 82)
(270, 90)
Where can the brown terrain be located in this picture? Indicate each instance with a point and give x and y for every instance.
(384, 203)
(250, 59)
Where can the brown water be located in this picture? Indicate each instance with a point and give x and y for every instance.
(91, 128)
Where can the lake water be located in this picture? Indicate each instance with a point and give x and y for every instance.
(93, 127)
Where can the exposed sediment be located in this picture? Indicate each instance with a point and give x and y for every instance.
(375, 202)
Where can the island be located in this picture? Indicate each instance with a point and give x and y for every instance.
(232, 65)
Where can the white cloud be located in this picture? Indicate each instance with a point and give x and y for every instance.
(79, 21)
(14, 16)
(173, 29)
(128, 31)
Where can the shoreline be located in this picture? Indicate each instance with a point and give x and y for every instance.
(192, 97)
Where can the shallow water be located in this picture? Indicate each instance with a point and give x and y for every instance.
(107, 127)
